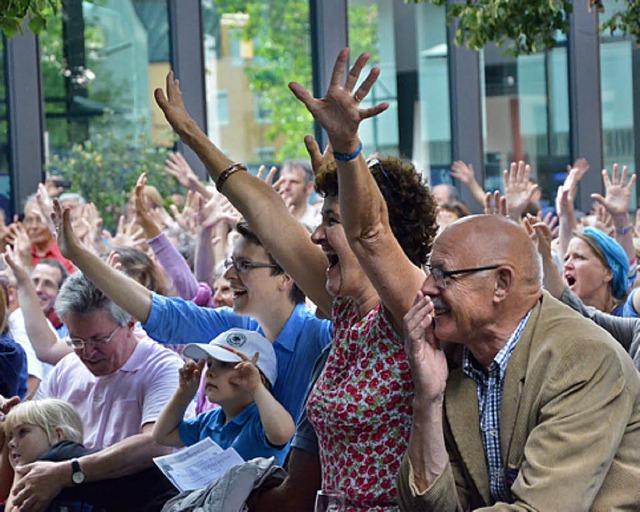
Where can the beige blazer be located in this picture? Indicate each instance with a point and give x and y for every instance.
(569, 425)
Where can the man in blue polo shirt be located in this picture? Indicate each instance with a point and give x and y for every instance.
(261, 289)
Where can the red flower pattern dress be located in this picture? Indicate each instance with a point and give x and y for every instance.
(361, 408)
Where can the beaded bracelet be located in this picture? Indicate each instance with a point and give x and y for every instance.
(347, 157)
(224, 175)
(624, 231)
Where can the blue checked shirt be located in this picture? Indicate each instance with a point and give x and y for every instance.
(489, 391)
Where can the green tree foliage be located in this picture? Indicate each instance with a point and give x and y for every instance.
(13, 14)
(531, 25)
(105, 169)
(279, 30)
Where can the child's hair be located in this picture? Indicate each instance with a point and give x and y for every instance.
(49, 414)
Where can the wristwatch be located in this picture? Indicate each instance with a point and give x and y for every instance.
(77, 476)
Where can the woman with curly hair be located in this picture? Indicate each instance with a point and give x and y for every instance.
(361, 267)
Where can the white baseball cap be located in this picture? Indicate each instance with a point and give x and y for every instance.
(226, 347)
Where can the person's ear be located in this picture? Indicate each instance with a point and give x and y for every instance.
(59, 434)
(285, 282)
(608, 275)
(503, 283)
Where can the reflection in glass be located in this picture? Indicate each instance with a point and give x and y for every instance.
(371, 29)
(619, 110)
(526, 116)
(433, 122)
(5, 180)
(252, 49)
(100, 63)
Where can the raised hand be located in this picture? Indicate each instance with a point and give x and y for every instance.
(518, 188)
(19, 239)
(339, 112)
(127, 235)
(426, 358)
(319, 160)
(177, 166)
(247, 375)
(143, 211)
(463, 172)
(189, 376)
(617, 191)
(187, 219)
(46, 207)
(495, 204)
(604, 221)
(67, 240)
(540, 235)
(173, 107)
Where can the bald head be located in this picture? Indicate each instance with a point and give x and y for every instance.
(479, 240)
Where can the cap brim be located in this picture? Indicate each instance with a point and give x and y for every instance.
(201, 351)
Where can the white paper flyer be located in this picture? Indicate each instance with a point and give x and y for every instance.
(198, 465)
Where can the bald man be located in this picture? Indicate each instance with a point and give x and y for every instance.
(533, 407)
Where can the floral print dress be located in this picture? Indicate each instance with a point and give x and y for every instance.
(361, 408)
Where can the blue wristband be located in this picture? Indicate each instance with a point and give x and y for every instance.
(347, 157)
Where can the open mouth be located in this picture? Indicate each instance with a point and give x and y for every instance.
(570, 280)
(238, 293)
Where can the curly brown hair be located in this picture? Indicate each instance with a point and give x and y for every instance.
(412, 210)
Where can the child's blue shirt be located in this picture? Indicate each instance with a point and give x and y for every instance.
(244, 433)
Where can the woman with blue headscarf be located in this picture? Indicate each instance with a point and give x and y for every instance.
(596, 269)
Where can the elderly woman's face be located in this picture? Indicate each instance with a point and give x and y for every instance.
(584, 273)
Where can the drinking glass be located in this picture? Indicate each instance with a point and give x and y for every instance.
(330, 501)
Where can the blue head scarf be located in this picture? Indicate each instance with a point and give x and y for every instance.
(616, 258)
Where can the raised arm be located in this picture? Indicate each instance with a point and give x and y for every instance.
(362, 207)
(130, 295)
(277, 422)
(616, 200)
(464, 173)
(165, 430)
(282, 235)
(46, 344)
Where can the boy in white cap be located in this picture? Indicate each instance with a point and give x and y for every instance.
(241, 369)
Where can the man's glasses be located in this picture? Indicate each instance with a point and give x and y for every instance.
(440, 276)
(243, 266)
(79, 343)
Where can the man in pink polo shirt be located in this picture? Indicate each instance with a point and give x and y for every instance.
(118, 379)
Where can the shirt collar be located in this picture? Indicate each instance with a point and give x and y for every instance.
(472, 368)
(291, 331)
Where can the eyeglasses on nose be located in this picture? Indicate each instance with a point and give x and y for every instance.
(440, 276)
(79, 343)
(243, 266)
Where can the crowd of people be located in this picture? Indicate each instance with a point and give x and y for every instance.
(387, 347)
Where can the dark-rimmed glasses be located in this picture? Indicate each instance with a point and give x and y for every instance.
(440, 276)
(79, 343)
(243, 266)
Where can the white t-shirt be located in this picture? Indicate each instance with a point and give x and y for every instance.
(18, 331)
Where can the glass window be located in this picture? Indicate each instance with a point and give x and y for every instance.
(371, 29)
(526, 116)
(5, 180)
(100, 63)
(105, 60)
(414, 80)
(252, 49)
(619, 110)
(433, 126)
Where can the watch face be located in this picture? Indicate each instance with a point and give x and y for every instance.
(78, 477)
